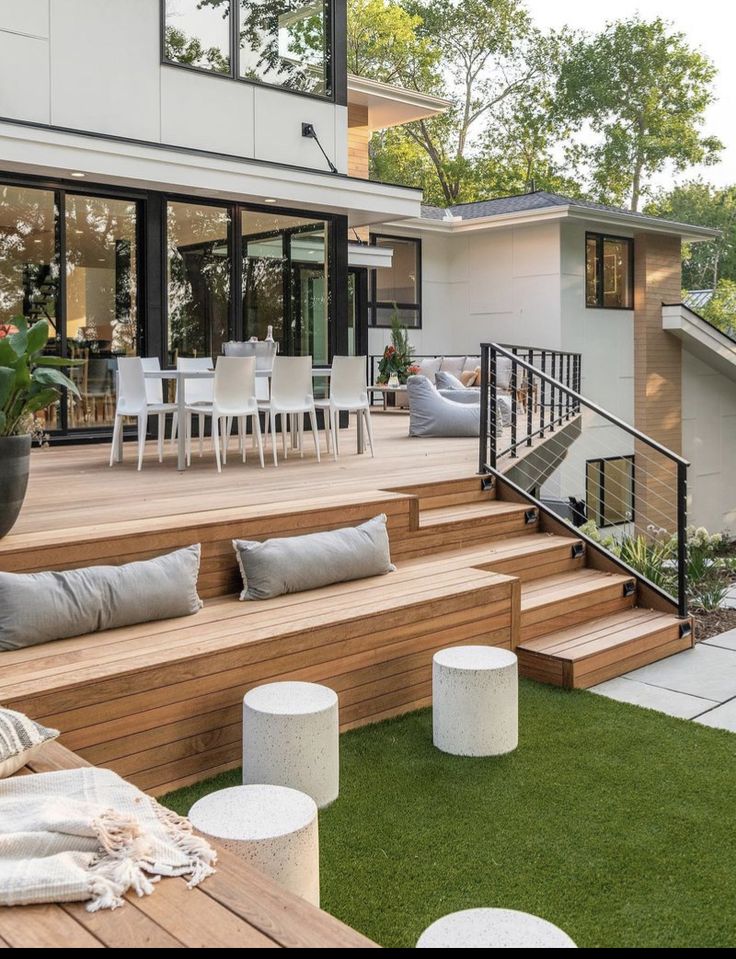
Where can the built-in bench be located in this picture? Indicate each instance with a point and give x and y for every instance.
(238, 907)
(161, 703)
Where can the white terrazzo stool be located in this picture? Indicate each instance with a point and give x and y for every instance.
(494, 929)
(271, 827)
(475, 692)
(291, 737)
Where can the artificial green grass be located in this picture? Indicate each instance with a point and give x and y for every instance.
(614, 822)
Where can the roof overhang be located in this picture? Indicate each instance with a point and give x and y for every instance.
(48, 152)
(701, 338)
(390, 106)
(372, 257)
(629, 222)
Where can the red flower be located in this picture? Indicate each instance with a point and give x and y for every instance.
(7, 329)
(390, 350)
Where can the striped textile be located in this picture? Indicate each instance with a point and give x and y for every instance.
(20, 739)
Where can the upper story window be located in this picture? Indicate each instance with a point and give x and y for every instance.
(609, 272)
(398, 289)
(283, 43)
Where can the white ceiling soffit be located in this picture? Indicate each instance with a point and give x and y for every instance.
(54, 153)
(701, 338)
(373, 257)
(390, 106)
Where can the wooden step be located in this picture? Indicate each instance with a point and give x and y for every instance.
(454, 527)
(448, 493)
(567, 599)
(592, 652)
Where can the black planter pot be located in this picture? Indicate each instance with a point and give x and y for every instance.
(15, 462)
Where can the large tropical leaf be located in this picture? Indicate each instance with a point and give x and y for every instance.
(19, 340)
(51, 377)
(7, 382)
(41, 401)
(38, 336)
(8, 356)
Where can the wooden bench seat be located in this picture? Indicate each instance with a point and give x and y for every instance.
(161, 702)
(238, 907)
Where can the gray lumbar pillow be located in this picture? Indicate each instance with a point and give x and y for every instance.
(297, 563)
(40, 607)
(447, 381)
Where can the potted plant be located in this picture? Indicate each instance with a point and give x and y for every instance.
(29, 383)
(397, 363)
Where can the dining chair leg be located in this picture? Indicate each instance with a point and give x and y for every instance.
(224, 434)
(117, 429)
(188, 437)
(242, 435)
(300, 428)
(216, 441)
(315, 432)
(285, 428)
(201, 435)
(142, 423)
(368, 429)
(273, 438)
(174, 429)
(333, 431)
(259, 437)
(161, 436)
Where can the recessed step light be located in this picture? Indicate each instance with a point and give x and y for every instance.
(79, 176)
(530, 517)
(629, 588)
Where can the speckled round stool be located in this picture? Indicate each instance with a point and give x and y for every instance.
(291, 737)
(475, 693)
(494, 929)
(273, 828)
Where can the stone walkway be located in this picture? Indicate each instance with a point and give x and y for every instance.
(699, 684)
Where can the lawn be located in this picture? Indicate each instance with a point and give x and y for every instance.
(614, 822)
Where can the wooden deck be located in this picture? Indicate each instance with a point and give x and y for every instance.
(238, 907)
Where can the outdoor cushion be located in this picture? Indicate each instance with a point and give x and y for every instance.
(39, 607)
(429, 366)
(447, 381)
(471, 364)
(20, 740)
(462, 396)
(432, 414)
(453, 365)
(470, 377)
(297, 563)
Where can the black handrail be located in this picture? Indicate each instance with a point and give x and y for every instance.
(563, 401)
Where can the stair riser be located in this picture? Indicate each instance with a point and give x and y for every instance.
(451, 536)
(582, 609)
(530, 568)
(648, 649)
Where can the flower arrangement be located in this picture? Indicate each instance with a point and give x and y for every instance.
(397, 358)
(29, 380)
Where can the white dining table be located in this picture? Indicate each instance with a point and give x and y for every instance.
(180, 376)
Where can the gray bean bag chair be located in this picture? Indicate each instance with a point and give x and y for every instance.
(431, 414)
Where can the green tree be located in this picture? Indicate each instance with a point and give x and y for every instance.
(721, 310)
(704, 264)
(181, 48)
(642, 91)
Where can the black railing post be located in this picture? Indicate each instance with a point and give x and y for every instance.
(682, 539)
(553, 373)
(529, 406)
(483, 450)
(543, 397)
(492, 410)
(514, 385)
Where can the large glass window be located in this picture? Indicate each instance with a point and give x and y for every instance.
(609, 272)
(286, 43)
(198, 275)
(610, 490)
(198, 33)
(397, 290)
(285, 281)
(101, 300)
(29, 265)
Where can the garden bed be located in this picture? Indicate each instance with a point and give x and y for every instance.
(611, 821)
(708, 625)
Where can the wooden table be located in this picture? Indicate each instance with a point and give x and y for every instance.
(238, 907)
(385, 391)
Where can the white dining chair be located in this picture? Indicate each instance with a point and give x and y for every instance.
(291, 396)
(348, 394)
(196, 393)
(133, 402)
(155, 397)
(234, 398)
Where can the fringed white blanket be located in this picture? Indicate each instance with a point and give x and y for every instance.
(87, 835)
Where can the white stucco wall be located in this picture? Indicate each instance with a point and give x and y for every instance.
(94, 66)
(709, 443)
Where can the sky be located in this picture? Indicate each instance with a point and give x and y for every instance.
(708, 25)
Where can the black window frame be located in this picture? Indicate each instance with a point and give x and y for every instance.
(600, 239)
(599, 461)
(375, 305)
(336, 33)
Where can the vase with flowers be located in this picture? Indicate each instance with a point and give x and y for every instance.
(29, 382)
(397, 363)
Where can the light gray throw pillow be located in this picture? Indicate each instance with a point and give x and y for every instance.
(447, 381)
(20, 740)
(40, 607)
(298, 563)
